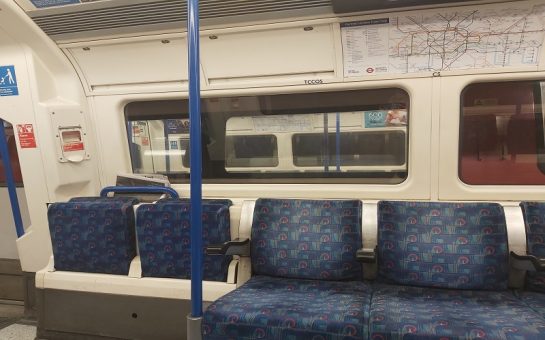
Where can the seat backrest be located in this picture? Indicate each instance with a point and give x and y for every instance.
(163, 232)
(534, 221)
(93, 234)
(443, 244)
(307, 239)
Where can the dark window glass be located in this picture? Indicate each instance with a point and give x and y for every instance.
(14, 158)
(356, 149)
(251, 151)
(501, 138)
(278, 138)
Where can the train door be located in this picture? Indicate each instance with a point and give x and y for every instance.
(11, 275)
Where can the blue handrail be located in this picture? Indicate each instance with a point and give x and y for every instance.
(10, 182)
(196, 156)
(139, 190)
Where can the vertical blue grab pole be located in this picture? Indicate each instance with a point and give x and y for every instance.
(10, 181)
(167, 145)
(325, 143)
(195, 168)
(338, 141)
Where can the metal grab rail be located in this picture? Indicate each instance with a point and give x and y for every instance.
(139, 190)
(10, 182)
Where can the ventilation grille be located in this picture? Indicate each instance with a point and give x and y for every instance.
(163, 12)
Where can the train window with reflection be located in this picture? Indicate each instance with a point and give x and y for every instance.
(357, 136)
(501, 134)
(14, 158)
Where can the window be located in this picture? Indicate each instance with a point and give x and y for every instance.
(251, 151)
(501, 136)
(358, 136)
(14, 158)
(357, 149)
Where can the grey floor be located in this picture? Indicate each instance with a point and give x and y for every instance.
(12, 324)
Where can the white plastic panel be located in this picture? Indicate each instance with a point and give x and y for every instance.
(264, 53)
(124, 285)
(138, 62)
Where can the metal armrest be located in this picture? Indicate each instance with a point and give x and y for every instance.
(527, 262)
(367, 255)
(234, 247)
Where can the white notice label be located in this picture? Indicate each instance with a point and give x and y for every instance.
(365, 47)
(286, 123)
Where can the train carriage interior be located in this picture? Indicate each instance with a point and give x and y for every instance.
(272, 169)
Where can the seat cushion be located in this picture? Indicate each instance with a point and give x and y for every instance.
(93, 235)
(279, 308)
(403, 312)
(163, 232)
(307, 239)
(534, 300)
(442, 244)
(534, 220)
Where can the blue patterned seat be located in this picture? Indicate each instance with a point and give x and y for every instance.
(534, 300)
(446, 245)
(93, 234)
(290, 309)
(442, 244)
(307, 239)
(308, 281)
(534, 220)
(163, 232)
(417, 313)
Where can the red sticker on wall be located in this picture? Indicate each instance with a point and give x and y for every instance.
(27, 140)
(67, 147)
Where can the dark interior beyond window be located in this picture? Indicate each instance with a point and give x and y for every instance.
(501, 134)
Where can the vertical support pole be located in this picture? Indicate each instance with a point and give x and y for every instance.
(10, 182)
(338, 141)
(196, 157)
(167, 145)
(325, 143)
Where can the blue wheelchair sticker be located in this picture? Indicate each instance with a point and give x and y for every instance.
(53, 3)
(8, 81)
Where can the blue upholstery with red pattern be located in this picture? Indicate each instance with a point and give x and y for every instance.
(308, 281)
(278, 308)
(534, 300)
(443, 244)
(93, 234)
(534, 220)
(307, 239)
(405, 312)
(163, 232)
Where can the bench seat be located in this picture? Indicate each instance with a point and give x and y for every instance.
(164, 240)
(423, 313)
(280, 308)
(93, 234)
(536, 301)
